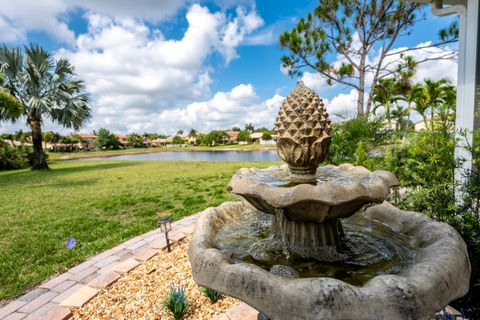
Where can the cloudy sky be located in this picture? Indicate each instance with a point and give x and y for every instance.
(164, 65)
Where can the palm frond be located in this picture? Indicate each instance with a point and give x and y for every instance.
(73, 111)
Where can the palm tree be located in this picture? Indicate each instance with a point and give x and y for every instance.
(47, 89)
(193, 133)
(249, 127)
(422, 101)
(399, 114)
(435, 91)
(446, 110)
(384, 96)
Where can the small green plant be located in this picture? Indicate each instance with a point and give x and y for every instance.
(213, 295)
(176, 301)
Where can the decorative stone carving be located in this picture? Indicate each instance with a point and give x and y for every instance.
(303, 132)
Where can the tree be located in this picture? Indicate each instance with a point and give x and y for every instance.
(384, 96)
(215, 137)
(435, 91)
(51, 137)
(177, 139)
(193, 133)
(10, 108)
(106, 140)
(180, 132)
(136, 140)
(47, 89)
(338, 39)
(236, 129)
(244, 136)
(249, 127)
(266, 135)
(22, 136)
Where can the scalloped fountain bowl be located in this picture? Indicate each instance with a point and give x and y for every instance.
(306, 216)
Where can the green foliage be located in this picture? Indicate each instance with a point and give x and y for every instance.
(10, 107)
(361, 156)
(214, 137)
(176, 301)
(425, 163)
(244, 136)
(213, 295)
(14, 157)
(249, 127)
(266, 135)
(178, 140)
(135, 140)
(106, 140)
(346, 136)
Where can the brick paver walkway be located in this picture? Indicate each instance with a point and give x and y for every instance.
(51, 299)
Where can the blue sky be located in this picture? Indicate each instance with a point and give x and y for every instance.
(161, 66)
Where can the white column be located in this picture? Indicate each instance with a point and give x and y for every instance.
(466, 84)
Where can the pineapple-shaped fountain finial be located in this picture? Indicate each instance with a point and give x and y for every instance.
(303, 132)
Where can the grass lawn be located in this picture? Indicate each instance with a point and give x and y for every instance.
(110, 153)
(100, 203)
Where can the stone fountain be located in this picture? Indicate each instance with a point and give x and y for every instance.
(315, 242)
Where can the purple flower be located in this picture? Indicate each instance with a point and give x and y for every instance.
(71, 243)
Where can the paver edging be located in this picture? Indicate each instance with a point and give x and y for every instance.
(93, 289)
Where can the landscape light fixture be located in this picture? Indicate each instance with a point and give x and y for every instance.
(166, 227)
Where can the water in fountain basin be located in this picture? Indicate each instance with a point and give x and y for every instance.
(279, 176)
(371, 248)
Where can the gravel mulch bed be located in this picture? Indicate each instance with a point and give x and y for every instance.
(139, 294)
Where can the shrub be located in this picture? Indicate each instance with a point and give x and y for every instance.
(346, 136)
(176, 301)
(14, 157)
(213, 295)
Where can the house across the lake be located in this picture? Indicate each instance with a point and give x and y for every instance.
(88, 140)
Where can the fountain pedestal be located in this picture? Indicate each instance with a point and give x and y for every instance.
(306, 237)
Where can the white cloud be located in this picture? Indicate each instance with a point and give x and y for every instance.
(315, 81)
(50, 16)
(131, 70)
(236, 31)
(344, 104)
(225, 110)
(27, 15)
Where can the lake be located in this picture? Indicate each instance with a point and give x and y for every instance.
(240, 156)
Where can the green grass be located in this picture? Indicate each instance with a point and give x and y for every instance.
(110, 153)
(100, 203)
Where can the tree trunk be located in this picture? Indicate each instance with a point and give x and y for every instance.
(361, 87)
(39, 162)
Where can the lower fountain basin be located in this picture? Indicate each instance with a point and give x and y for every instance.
(438, 273)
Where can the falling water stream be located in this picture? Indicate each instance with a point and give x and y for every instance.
(371, 248)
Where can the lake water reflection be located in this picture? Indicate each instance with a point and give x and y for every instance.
(242, 156)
